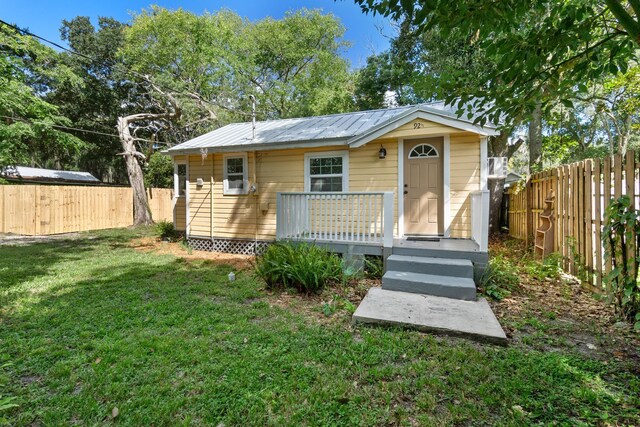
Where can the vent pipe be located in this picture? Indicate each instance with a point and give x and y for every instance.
(253, 116)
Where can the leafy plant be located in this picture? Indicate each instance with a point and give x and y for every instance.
(337, 302)
(159, 171)
(549, 268)
(373, 267)
(621, 240)
(6, 402)
(500, 277)
(304, 267)
(167, 231)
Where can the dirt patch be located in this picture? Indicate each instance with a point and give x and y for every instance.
(21, 240)
(155, 245)
(335, 304)
(560, 314)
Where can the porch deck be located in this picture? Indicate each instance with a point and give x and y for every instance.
(442, 244)
(363, 222)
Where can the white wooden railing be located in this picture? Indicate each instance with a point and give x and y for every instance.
(350, 217)
(480, 218)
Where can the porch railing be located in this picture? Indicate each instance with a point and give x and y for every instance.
(480, 218)
(349, 217)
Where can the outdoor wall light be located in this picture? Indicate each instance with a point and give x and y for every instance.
(382, 153)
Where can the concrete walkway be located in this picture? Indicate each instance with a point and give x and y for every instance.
(469, 319)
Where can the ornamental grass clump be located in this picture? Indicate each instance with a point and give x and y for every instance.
(304, 267)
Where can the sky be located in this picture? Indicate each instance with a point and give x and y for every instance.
(366, 33)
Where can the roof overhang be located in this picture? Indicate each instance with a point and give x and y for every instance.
(419, 113)
(259, 146)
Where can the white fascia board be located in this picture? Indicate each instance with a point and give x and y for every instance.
(261, 147)
(403, 119)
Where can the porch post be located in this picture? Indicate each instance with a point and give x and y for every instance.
(387, 240)
(279, 218)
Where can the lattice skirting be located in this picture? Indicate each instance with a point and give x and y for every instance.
(230, 246)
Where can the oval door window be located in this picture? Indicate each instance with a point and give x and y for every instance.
(423, 150)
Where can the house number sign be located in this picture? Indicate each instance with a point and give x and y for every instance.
(418, 125)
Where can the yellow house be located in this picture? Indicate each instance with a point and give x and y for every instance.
(368, 182)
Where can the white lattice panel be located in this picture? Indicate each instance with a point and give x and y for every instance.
(230, 246)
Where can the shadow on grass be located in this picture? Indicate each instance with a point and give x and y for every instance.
(173, 342)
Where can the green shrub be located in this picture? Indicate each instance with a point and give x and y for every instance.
(167, 231)
(500, 277)
(304, 267)
(549, 268)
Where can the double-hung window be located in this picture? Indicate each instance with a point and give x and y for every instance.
(235, 174)
(326, 172)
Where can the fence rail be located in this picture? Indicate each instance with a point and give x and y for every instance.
(53, 209)
(348, 217)
(583, 191)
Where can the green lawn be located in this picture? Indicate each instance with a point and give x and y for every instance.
(92, 325)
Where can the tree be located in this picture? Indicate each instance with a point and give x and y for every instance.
(32, 130)
(159, 171)
(544, 51)
(133, 156)
(100, 99)
(196, 72)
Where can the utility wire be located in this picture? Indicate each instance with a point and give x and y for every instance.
(21, 119)
(112, 64)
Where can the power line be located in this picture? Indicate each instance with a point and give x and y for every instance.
(113, 64)
(75, 129)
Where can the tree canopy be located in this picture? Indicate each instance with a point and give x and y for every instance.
(32, 130)
(541, 52)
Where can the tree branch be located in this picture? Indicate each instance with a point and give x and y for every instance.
(630, 25)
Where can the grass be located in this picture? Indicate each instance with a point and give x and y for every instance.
(92, 325)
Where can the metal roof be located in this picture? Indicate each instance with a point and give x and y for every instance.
(331, 129)
(47, 175)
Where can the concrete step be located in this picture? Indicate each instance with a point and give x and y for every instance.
(428, 265)
(427, 313)
(462, 288)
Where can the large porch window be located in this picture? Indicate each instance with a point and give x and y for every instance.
(326, 172)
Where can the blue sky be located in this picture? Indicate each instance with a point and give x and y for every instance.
(43, 17)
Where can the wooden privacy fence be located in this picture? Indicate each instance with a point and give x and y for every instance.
(583, 191)
(52, 209)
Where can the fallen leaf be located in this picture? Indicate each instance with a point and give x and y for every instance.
(98, 360)
(115, 412)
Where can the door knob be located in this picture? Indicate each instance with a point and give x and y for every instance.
(406, 192)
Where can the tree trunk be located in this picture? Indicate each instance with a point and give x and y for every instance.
(496, 195)
(535, 140)
(141, 210)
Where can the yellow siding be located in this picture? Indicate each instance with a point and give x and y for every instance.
(465, 178)
(199, 209)
(369, 173)
(420, 128)
(254, 216)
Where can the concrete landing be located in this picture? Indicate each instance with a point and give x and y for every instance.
(469, 319)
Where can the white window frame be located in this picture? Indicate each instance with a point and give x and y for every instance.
(424, 157)
(176, 178)
(245, 174)
(324, 155)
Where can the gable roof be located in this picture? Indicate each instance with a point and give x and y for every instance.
(27, 174)
(353, 129)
